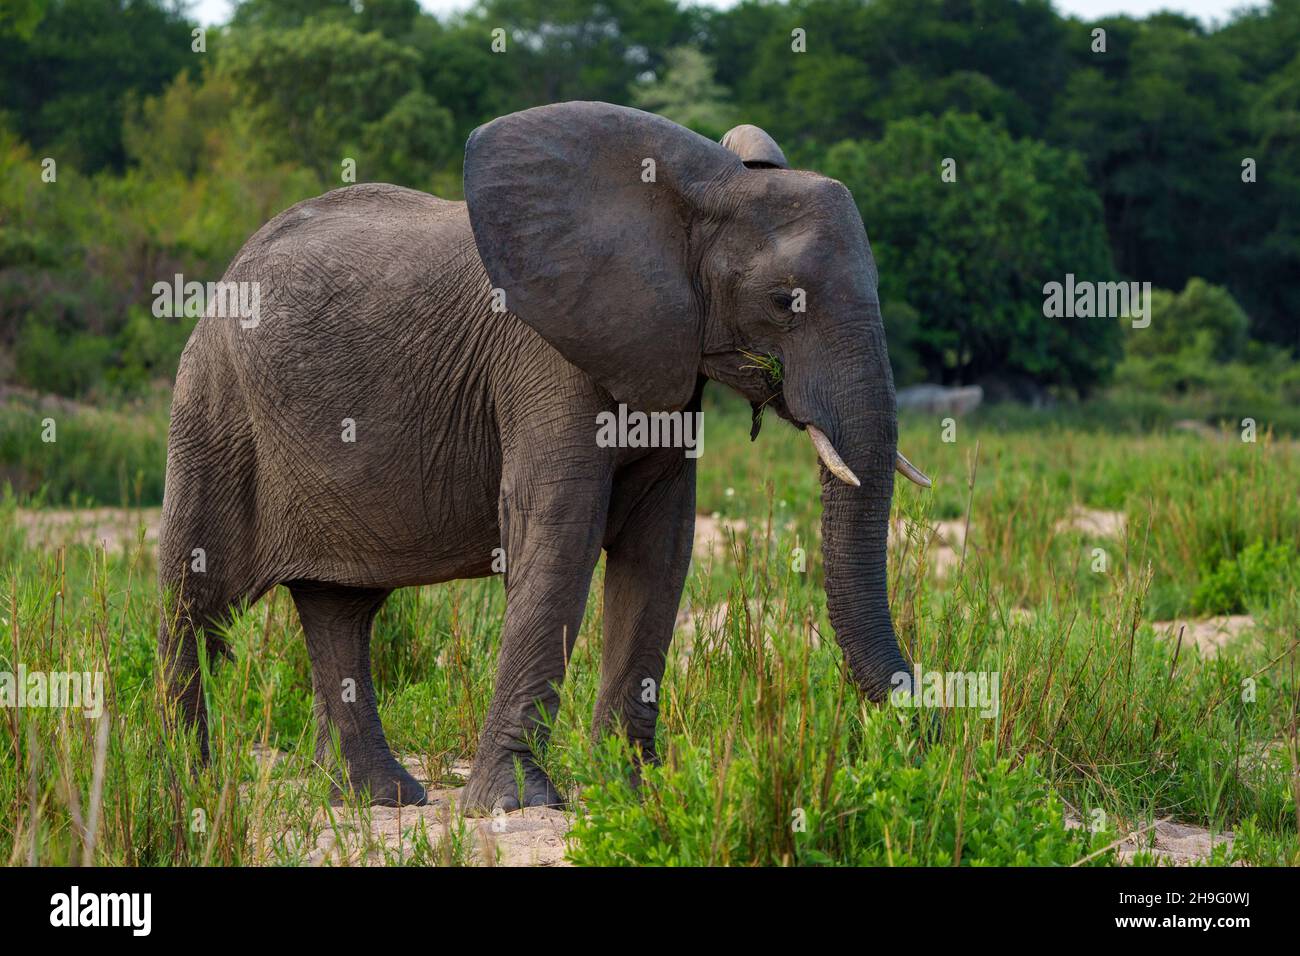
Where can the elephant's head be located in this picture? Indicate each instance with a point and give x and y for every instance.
(649, 255)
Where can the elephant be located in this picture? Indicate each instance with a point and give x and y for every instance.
(419, 398)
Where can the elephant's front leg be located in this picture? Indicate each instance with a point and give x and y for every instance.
(652, 525)
(551, 529)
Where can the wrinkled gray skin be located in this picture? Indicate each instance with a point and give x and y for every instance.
(475, 429)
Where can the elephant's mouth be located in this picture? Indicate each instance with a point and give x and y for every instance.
(760, 383)
(776, 404)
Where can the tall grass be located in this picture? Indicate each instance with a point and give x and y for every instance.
(769, 755)
(97, 456)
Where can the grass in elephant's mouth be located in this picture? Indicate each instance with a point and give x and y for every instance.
(771, 367)
(769, 757)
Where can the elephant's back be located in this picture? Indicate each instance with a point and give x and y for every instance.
(366, 268)
(362, 240)
(360, 290)
(358, 213)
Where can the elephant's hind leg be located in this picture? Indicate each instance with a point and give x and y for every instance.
(337, 622)
(205, 547)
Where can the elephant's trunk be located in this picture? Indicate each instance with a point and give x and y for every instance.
(857, 444)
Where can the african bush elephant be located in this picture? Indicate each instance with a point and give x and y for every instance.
(603, 256)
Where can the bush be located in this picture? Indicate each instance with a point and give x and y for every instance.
(1203, 319)
(99, 457)
(148, 348)
(1197, 352)
(48, 361)
(1255, 576)
(889, 808)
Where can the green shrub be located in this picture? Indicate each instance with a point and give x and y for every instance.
(65, 364)
(148, 348)
(1254, 576)
(885, 807)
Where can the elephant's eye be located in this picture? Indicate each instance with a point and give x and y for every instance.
(783, 301)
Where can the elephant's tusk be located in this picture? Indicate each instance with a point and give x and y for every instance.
(830, 458)
(910, 471)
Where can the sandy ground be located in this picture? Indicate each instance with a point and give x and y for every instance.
(944, 547)
(1093, 522)
(1172, 844)
(536, 837)
(713, 536)
(530, 837)
(115, 528)
(1211, 634)
(118, 527)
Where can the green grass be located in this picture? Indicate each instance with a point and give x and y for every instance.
(770, 757)
(97, 456)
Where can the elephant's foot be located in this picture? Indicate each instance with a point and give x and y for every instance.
(388, 785)
(643, 756)
(493, 784)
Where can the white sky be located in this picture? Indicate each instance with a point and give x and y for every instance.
(218, 11)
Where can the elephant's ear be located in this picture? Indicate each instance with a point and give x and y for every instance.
(756, 149)
(582, 214)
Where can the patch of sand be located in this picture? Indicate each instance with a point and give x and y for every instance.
(1198, 428)
(1093, 522)
(1211, 634)
(943, 546)
(1171, 844)
(709, 619)
(534, 836)
(713, 536)
(114, 528)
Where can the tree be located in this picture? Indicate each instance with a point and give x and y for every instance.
(66, 84)
(410, 141)
(1157, 119)
(1263, 242)
(323, 93)
(20, 17)
(578, 49)
(288, 14)
(971, 256)
(868, 63)
(687, 94)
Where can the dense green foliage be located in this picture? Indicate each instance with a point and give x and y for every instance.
(975, 277)
(171, 147)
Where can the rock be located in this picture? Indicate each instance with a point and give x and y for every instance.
(940, 399)
(1197, 428)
